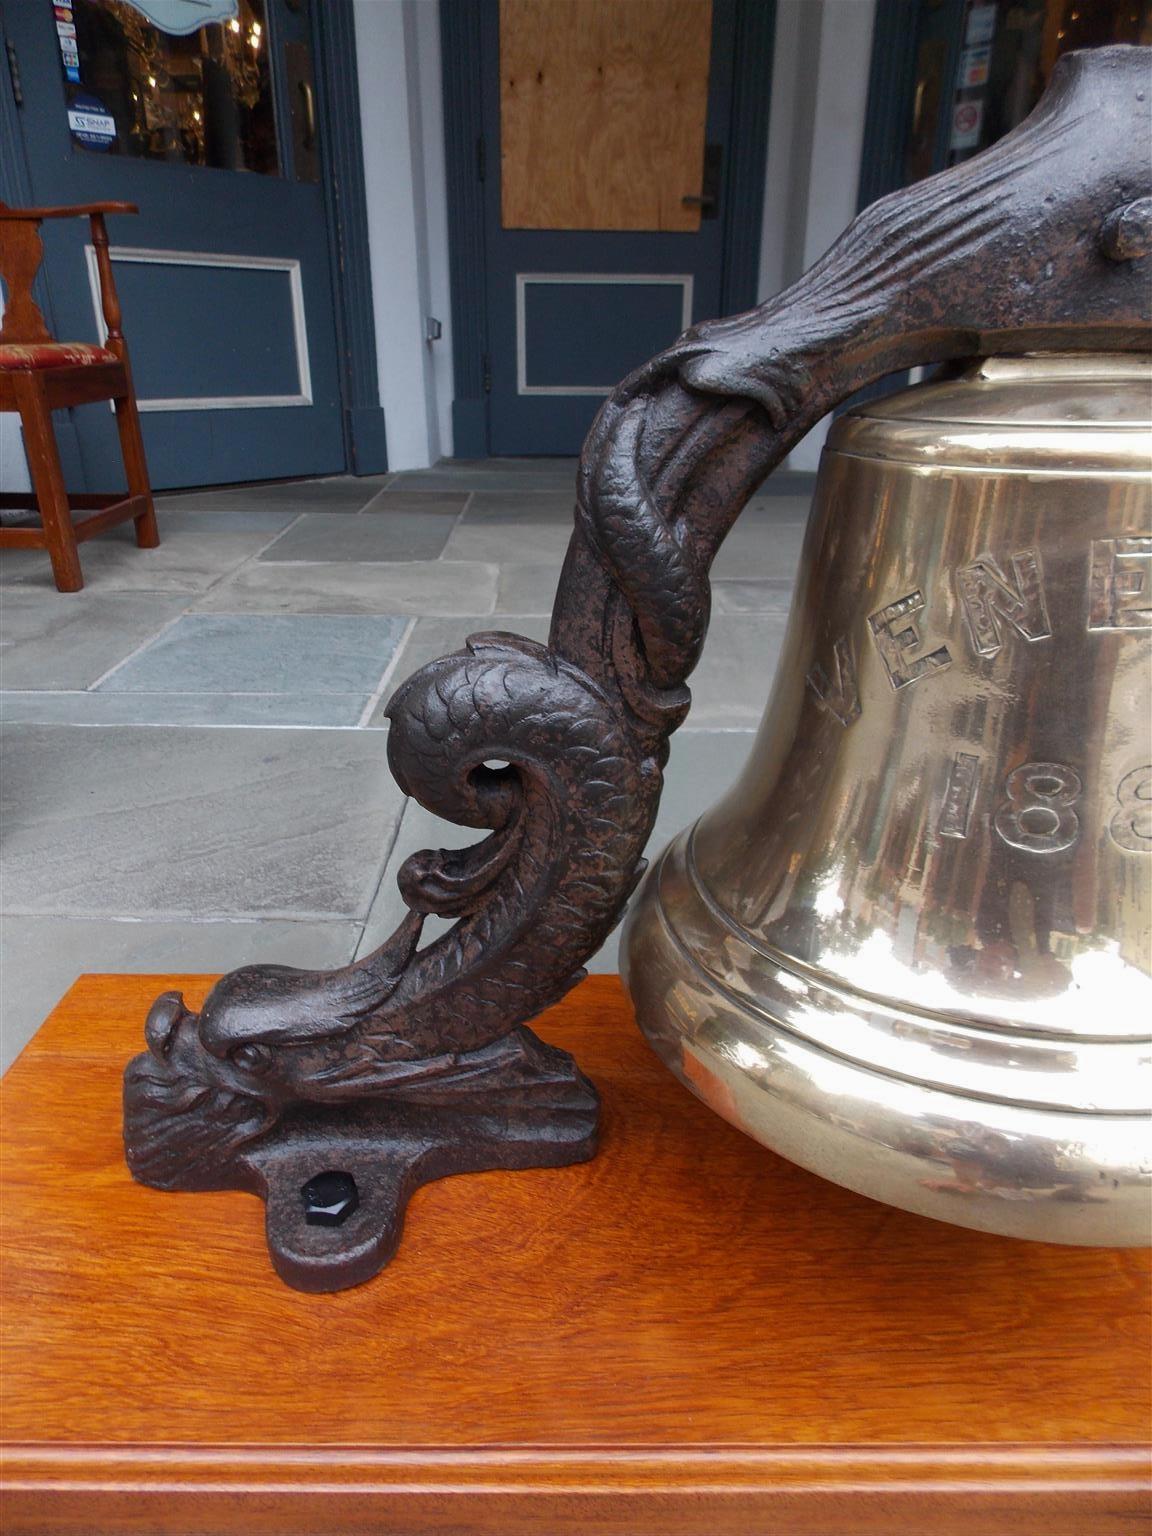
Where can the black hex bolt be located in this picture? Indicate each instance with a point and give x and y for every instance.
(329, 1199)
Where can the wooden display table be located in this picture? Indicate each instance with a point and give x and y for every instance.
(686, 1335)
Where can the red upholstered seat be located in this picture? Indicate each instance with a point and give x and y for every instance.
(15, 357)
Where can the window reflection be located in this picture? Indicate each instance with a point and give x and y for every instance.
(1010, 48)
(203, 97)
(971, 89)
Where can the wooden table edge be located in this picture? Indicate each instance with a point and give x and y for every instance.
(680, 1468)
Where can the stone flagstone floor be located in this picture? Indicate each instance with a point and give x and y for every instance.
(194, 769)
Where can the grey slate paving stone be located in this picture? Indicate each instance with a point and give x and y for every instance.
(771, 596)
(536, 543)
(761, 546)
(68, 640)
(492, 475)
(196, 550)
(548, 484)
(764, 546)
(263, 653)
(346, 493)
(386, 536)
(433, 638)
(328, 710)
(478, 472)
(797, 484)
(528, 588)
(731, 684)
(436, 502)
(521, 506)
(44, 956)
(136, 821)
(527, 529)
(420, 588)
(702, 766)
(779, 506)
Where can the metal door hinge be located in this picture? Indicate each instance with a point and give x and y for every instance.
(14, 71)
(481, 159)
(433, 330)
(486, 365)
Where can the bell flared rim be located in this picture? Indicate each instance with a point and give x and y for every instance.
(981, 1060)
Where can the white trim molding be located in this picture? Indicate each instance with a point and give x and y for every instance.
(683, 280)
(288, 265)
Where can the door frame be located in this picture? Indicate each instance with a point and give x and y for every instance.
(342, 163)
(891, 88)
(342, 166)
(888, 122)
(16, 190)
(467, 161)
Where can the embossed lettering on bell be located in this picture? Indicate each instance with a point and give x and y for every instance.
(910, 949)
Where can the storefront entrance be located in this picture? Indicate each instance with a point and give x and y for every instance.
(207, 114)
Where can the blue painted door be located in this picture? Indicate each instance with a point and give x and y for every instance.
(571, 310)
(203, 113)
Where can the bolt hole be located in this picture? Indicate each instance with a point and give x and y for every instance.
(329, 1198)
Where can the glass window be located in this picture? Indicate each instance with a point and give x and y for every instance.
(1007, 53)
(972, 88)
(154, 80)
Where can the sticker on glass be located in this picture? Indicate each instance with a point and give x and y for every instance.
(967, 120)
(981, 25)
(91, 123)
(974, 66)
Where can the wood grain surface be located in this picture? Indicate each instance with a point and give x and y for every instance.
(602, 112)
(687, 1335)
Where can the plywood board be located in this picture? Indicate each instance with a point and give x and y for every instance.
(603, 106)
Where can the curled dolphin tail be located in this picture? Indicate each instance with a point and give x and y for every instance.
(570, 808)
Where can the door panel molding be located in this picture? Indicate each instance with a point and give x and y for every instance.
(289, 265)
(684, 281)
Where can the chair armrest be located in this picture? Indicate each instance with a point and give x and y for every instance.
(66, 213)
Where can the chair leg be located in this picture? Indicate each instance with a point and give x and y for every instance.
(136, 468)
(48, 481)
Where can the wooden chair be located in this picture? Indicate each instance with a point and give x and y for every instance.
(39, 375)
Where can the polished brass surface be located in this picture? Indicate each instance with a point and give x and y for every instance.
(911, 948)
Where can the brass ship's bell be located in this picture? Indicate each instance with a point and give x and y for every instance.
(910, 949)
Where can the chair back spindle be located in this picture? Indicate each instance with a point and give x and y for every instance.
(109, 299)
(21, 252)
